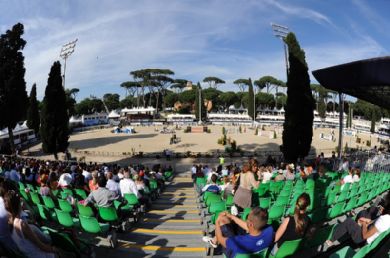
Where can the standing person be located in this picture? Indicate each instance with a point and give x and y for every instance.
(221, 160)
(243, 195)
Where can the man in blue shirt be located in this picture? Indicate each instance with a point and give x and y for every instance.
(259, 235)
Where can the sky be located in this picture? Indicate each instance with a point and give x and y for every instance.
(229, 39)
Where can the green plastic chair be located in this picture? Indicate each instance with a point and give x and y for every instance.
(346, 252)
(65, 219)
(85, 211)
(275, 213)
(335, 211)
(81, 193)
(229, 201)
(319, 237)
(44, 213)
(212, 199)
(131, 199)
(48, 202)
(288, 248)
(108, 214)
(35, 198)
(245, 214)
(65, 205)
(281, 200)
(91, 225)
(265, 202)
(261, 254)
(319, 215)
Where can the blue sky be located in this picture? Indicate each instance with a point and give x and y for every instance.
(229, 39)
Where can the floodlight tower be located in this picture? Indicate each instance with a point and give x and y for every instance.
(281, 32)
(66, 51)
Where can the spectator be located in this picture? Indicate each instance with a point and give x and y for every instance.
(280, 176)
(227, 186)
(102, 197)
(111, 184)
(290, 175)
(356, 175)
(364, 230)
(267, 175)
(348, 179)
(258, 237)
(294, 227)
(93, 182)
(126, 185)
(14, 174)
(212, 186)
(243, 195)
(29, 240)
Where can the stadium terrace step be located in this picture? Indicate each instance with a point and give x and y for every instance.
(167, 232)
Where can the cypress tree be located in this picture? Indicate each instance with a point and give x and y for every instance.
(298, 125)
(251, 96)
(13, 95)
(33, 119)
(203, 108)
(54, 116)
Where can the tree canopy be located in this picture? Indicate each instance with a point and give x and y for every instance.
(213, 82)
(268, 82)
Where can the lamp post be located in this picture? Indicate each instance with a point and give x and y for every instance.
(254, 105)
(200, 105)
(66, 51)
(281, 32)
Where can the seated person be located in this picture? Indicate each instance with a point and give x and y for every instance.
(258, 237)
(280, 176)
(212, 186)
(102, 197)
(294, 227)
(365, 230)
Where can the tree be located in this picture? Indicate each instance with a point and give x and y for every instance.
(111, 101)
(265, 100)
(71, 100)
(13, 95)
(128, 102)
(268, 82)
(251, 100)
(188, 96)
(171, 98)
(199, 100)
(242, 84)
(89, 106)
(298, 124)
(213, 81)
(178, 85)
(54, 117)
(33, 118)
(132, 88)
(228, 98)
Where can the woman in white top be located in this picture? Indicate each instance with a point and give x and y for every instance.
(22, 234)
(364, 230)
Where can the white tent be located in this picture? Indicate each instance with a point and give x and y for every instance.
(113, 114)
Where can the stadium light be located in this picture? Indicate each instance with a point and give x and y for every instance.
(281, 32)
(66, 51)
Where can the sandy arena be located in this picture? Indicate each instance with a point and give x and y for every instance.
(149, 139)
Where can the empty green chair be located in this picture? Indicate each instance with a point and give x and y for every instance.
(245, 214)
(91, 225)
(65, 205)
(85, 211)
(81, 193)
(35, 198)
(229, 201)
(265, 202)
(336, 210)
(65, 219)
(48, 202)
(275, 213)
(108, 214)
(44, 213)
(287, 248)
(319, 237)
(281, 200)
(345, 252)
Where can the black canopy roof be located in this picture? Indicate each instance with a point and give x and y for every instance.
(367, 79)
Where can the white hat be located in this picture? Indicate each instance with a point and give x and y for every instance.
(65, 179)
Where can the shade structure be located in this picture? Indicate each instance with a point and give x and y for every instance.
(367, 79)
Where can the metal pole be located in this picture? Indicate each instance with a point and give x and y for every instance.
(254, 105)
(63, 77)
(200, 106)
(341, 125)
(285, 56)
